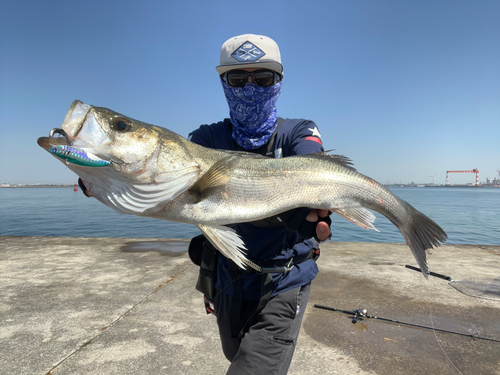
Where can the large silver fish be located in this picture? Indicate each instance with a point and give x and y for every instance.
(141, 169)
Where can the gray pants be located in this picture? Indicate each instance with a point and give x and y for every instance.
(268, 345)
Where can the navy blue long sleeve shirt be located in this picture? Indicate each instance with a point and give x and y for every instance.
(294, 137)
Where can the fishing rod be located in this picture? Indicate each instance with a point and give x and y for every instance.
(360, 315)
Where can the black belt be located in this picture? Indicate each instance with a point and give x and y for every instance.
(285, 265)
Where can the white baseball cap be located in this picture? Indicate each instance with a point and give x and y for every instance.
(250, 51)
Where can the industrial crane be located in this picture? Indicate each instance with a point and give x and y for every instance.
(475, 170)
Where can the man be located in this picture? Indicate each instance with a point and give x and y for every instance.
(259, 311)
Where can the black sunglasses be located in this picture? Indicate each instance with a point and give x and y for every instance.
(239, 78)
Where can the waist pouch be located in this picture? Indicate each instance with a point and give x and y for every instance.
(203, 254)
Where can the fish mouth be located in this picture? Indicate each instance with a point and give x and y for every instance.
(75, 119)
(73, 142)
(61, 148)
(48, 142)
(51, 141)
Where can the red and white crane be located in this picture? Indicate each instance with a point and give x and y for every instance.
(475, 170)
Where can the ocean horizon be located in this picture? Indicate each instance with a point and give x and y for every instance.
(469, 216)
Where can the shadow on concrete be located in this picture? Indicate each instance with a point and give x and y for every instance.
(165, 248)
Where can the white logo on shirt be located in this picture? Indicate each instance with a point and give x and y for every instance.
(315, 132)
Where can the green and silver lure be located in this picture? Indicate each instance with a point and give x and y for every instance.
(77, 156)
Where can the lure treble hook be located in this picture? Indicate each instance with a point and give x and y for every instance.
(60, 131)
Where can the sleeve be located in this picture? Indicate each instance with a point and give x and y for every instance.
(303, 138)
(216, 135)
(201, 136)
(306, 139)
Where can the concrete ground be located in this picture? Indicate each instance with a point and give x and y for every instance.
(128, 306)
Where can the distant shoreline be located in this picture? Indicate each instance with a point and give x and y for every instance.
(37, 186)
(442, 186)
(388, 186)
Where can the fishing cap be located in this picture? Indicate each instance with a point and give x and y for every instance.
(250, 51)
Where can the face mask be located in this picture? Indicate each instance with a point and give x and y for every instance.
(253, 113)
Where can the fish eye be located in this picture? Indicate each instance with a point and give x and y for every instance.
(121, 125)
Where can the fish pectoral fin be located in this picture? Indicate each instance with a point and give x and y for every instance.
(216, 177)
(130, 198)
(359, 216)
(227, 241)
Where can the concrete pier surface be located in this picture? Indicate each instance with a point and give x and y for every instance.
(128, 306)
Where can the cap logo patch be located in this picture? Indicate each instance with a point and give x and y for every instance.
(247, 52)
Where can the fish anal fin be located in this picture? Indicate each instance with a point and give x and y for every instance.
(359, 216)
(227, 241)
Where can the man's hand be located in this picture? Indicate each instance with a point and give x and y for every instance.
(322, 228)
(309, 223)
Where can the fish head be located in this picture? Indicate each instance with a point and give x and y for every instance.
(120, 159)
(100, 137)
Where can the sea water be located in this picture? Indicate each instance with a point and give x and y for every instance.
(468, 215)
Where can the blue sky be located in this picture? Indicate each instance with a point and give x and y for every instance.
(406, 89)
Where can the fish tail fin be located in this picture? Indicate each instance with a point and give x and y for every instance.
(420, 234)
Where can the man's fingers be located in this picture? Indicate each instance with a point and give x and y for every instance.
(322, 231)
(322, 213)
(312, 216)
(321, 221)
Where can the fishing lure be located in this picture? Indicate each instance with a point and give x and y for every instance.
(77, 156)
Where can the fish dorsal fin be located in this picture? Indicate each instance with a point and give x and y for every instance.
(341, 160)
(246, 154)
(227, 241)
(130, 198)
(214, 178)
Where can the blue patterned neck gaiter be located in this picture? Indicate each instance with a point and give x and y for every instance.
(253, 113)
